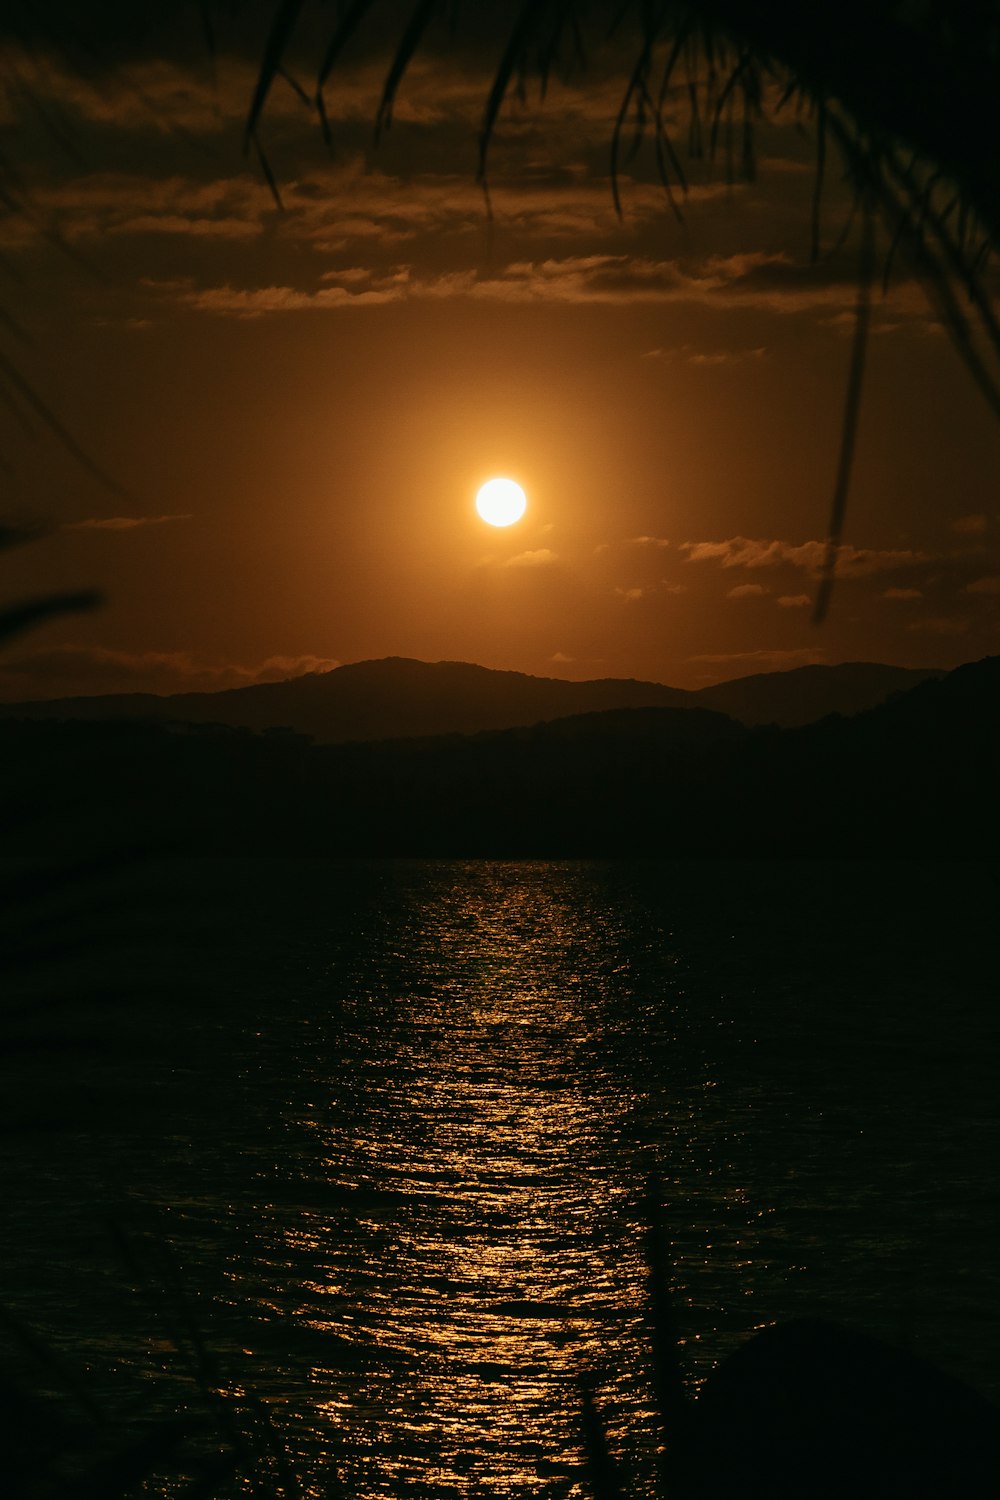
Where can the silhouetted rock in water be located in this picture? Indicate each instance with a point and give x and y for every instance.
(803, 695)
(811, 1411)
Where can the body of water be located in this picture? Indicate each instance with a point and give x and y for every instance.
(387, 1133)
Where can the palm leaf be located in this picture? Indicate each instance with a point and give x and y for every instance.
(512, 54)
(349, 22)
(282, 26)
(415, 28)
(20, 617)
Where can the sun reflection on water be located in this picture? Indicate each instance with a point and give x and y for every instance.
(401, 1151)
(487, 1249)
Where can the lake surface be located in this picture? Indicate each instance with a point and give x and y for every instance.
(388, 1132)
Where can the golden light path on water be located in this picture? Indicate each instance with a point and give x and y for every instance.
(389, 1126)
(486, 1248)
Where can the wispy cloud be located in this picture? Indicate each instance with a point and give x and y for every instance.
(67, 670)
(123, 523)
(705, 358)
(748, 591)
(988, 585)
(727, 356)
(974, 525)
(940, 625)
(902, 595)
(764, 660)
(793, 601)
(235, 302)
(540, 557)
(158, 95)
(748, 552)
(654, 542)
(103, 205)
(349, 206)
(765, 281)
(758, 279)
(649, 590)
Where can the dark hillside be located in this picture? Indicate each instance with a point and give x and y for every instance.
(803, 695)
(915, 776)
(373, 700)
(399, 698)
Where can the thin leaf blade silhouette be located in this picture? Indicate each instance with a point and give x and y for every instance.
(17, 618)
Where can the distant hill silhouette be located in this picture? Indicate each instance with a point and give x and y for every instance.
(400, 698)
(914, 776)
(804, 694)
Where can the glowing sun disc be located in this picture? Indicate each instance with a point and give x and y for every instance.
(501, 502)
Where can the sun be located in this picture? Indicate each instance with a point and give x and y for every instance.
(501, 502)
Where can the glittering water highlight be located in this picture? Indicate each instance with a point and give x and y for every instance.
(404, 1157)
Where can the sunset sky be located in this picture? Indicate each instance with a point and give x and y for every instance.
(298, 406)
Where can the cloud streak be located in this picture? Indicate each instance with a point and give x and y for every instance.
(751, 553)
(975, 525)
(124, 523)
(760, 280)
(765, 660)
(63, 670)
(540, 557)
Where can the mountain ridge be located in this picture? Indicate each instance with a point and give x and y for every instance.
(403, 697)
(912, 777)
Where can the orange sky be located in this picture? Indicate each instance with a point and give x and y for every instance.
(299, 406)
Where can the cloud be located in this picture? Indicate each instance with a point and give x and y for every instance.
(278, 668)
(798, 656)
(757, 279)
(351, 202)
(69, 670)
(727, 356)
(940, 625)
(123, 523)
(648, 590)
(541, 557)
(217, 228)
(746, 552)
(650, 544)
(243, 303)
(347, 203)
(752, 280)
(747, 591)
(561, 659)
(793, 601)
(103, 205)
(974, 525)
(989, 585)
(705, 358)
(902, 594)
